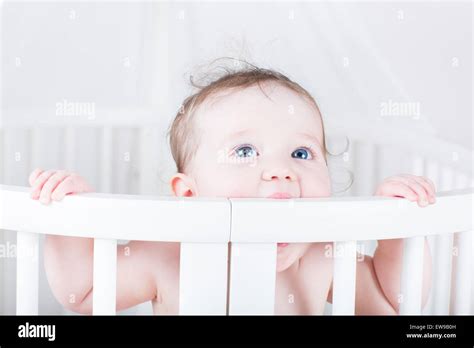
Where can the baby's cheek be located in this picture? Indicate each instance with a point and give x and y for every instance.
(316, 185)
(224, 183)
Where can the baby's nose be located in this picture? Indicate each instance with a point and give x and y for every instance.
(279, 173)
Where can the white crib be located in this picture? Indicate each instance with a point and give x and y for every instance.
(239, 278)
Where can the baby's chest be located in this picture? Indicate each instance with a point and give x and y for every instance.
(301, 295)
(294, 299)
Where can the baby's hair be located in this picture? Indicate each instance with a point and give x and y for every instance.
(183, 140)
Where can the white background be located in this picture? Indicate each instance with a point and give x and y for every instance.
(133, 61)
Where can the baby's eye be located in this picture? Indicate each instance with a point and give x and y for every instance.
(302, 153)
(246, 151)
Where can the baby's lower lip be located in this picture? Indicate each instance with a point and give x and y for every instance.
(282, 244)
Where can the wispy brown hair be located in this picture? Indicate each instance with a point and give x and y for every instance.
(184, 142)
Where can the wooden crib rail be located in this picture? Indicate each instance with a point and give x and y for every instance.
(254, 226)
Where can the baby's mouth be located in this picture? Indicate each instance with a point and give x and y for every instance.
(280, 195)
(282, 245)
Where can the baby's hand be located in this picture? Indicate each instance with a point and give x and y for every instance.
(55, 184)
(414, 188)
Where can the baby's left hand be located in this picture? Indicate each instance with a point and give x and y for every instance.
(411, 187)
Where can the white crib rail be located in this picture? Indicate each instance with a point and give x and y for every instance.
(253, 227)
(204, 234)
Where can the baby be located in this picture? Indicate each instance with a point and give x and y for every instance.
(250, 133)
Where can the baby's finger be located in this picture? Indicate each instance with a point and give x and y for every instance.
(51, 184)
(430, 182)
(64, 187)
(420, 191)
(34, 174)
(429, 188)
(398, 189)
(39, 182)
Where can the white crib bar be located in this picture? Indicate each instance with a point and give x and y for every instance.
(27, 273)
(105, 277)
(442, 257)
(442, 266)
(365, 163)
(418, 165)
(472, 274)
(252, 280)
(432, 172)
(344, 278)
(106, 160)
(463, 274)
(203, 279)
(412, 276)
(447, 178)
(461, 181)
(70, 148)
(149, 146)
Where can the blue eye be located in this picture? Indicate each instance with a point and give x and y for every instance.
(245, 151)
(302, 153)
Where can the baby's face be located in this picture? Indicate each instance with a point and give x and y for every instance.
(251, 146)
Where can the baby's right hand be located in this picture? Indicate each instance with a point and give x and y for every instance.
(55, 184)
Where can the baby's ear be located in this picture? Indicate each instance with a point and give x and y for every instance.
(183, 185)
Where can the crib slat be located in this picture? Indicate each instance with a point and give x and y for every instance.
(442, 262)
(344, 278)
(461, 181)
(447, 178)
(412, 276)
(149, 146)
(432, 172)
(27, 273)
(442, 256)
(463, 274)
(105, 277)
(417, 165)
(472, 277)
(106, 159)
(203, 279)
(70, 148)
(252, 281)
(365, 168)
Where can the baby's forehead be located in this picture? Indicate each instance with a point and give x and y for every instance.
(254, 104)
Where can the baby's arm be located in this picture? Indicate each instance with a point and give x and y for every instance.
(69, 260)
(379, 277)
